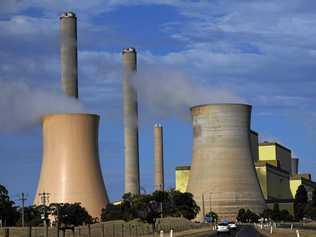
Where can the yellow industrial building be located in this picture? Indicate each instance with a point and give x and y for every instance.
(277, 173)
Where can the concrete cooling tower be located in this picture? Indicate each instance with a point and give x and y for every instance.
(70, 167)
(68, 52)
(223, 177)
(158, 156)
(130, 123)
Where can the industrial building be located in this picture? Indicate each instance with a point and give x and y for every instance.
(278, 175)
(276, 170)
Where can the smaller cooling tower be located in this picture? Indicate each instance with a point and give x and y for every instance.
(158, 155)
(223, 177)
(70, 167)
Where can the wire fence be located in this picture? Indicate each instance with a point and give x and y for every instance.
(106, 229)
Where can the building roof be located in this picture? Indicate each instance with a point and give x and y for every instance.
(187, 167)
(267, 143)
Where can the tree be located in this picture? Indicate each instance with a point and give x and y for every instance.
(241, 215)
(182, 205)
(300, 202)
(111, 212)
(313, 202)
(32, 216)
(247, 216)
(211, 217)
(267, 214)
(276, 212)
(71, 214)
(311, 207)
(8, 212)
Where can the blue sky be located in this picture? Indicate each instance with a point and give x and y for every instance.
(253, 51)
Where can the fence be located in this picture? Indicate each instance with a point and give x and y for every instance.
(106, 229)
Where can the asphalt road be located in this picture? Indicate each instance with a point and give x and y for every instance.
(242, 231)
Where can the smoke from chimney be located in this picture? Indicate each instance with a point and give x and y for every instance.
(22, 106)
(164, 92)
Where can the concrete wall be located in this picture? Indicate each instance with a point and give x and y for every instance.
(278, 183)
(222, 168)
(182, 178)
(70, 169)
(254, 141)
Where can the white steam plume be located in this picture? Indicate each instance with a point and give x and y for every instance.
(167, 92)
(22, 106)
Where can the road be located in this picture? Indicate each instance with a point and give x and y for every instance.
(243, 231)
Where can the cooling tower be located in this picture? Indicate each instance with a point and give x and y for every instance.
(68, 51)
(294, 165)
(223, 177)
(158, 155)
(130, 123)
(70, 168)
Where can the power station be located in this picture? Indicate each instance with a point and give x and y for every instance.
(230, 169)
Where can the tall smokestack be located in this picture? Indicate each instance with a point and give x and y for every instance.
(159, 170)
(130, 123)
(68, 51)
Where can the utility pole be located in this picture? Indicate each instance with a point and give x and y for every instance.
(22, 199)
(203, 206)
(44, 199)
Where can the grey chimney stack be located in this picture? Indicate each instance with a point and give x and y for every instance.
(68, 50)
(158, 154)
(130, 123)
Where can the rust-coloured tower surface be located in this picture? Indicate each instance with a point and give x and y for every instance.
(70, 169)
(68, 54)
(223, 177)
(130, 123)
(158, 155)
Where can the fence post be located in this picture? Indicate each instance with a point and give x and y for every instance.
(30, 231)
(102, 230)
(297, 233)
(171, 233)
(6, 232)
(89, 230)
